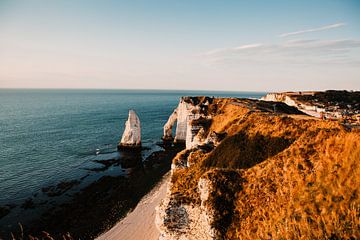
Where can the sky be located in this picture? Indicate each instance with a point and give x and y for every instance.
(185, 44)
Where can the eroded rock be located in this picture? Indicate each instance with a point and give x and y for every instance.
(131, 137)
(177, 221)
(191, 116)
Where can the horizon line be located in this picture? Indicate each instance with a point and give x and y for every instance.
(177, 90)
(130, 89)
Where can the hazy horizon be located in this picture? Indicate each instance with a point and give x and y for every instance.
(171, 45)
(169, 90)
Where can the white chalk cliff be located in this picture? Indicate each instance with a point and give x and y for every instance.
(181, 116)
(180, 221)
(169, 125)
(184, 115)
(132, 134)
(176, 220)
(287, 98)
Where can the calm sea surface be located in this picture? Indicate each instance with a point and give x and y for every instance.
(47, 136)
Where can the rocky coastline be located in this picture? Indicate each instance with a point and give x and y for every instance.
(239, 169)
(244, 161)
(98, 206)
(95, 207)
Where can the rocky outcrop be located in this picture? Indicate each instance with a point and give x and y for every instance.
(182, 221)
(177, 220)
(259, 166)
(191, 117)
(169, 126)
(131, 137)
(181, 115)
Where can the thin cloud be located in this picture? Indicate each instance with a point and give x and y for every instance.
(290, 51)
(250, 46)
(332, 26)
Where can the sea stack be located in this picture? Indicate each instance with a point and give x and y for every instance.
(131, 138)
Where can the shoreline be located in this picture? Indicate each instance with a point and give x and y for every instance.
(142, 217)
(99, 206)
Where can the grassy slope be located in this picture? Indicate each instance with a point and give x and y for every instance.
(278, 177)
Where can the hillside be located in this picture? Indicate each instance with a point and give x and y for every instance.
(274, 175)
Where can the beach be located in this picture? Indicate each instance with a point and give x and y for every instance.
(140, 223)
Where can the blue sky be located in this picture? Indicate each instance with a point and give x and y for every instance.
(198, 45)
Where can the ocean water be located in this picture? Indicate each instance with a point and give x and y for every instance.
(47, 136)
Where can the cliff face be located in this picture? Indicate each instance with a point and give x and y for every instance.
(255, 171)
(332, 104)
(290, 99)
(181, 114)
(190, 116)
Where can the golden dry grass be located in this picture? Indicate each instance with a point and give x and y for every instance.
(299, 177)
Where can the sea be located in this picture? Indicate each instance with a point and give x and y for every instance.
(49, 136)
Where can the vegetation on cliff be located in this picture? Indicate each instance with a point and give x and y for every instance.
(343, 99)
(275, 175)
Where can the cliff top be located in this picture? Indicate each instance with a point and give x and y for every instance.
(341, 99)
(273, 175)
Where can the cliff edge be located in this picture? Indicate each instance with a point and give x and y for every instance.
(331, 104)
(260, 170)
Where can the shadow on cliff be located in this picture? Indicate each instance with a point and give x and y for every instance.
(224, 184)
(241, 151)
